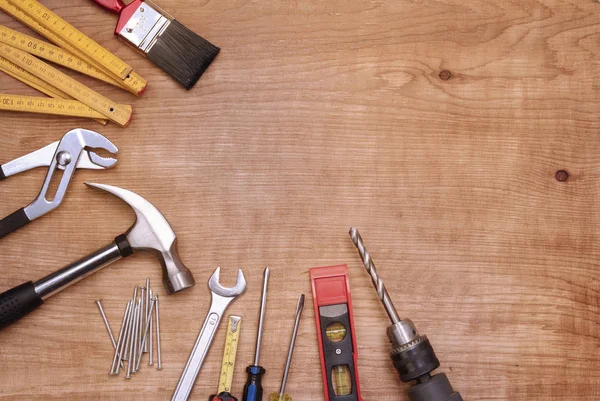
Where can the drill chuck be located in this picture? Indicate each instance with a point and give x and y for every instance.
(412, 354)
(414, 359)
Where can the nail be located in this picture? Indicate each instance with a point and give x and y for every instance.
(150, 339)
(128, 346)
(146, 329)
(136, 329)
(147, 307)
(110, 334)
(118, 352)
(157, 333)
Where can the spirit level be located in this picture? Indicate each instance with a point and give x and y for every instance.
(335, 332)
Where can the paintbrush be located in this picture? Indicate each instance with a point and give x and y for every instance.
(181, 53)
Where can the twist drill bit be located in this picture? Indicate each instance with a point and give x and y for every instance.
(382, 293)
(412, 353)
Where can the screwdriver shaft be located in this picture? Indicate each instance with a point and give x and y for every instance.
(261, 316)
(377, 282)
(288, 362)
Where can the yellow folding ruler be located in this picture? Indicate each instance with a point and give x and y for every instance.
(55, 24)
(46, 105)
(134, 83)
(229, 354)
(36, 83)
(106, 107)
(57, 55)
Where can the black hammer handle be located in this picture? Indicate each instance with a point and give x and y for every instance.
(18, 302)
(13, 222)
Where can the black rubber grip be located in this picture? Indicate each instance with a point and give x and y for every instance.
(13, 222)
(2, 175)
(438, 388)
(18, 302)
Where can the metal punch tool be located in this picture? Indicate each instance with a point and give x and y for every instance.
(73, 151)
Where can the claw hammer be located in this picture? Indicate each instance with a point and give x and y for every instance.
(150, 232)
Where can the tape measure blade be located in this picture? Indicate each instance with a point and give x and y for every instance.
(45, 17)
(105, 106)
(229, 354)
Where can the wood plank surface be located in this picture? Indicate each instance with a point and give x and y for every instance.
(434, 126)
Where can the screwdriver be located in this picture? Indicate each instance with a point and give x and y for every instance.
(412, 353)
(282, 396)
(253, 389)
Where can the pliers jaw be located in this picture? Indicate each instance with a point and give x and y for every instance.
(73, 151)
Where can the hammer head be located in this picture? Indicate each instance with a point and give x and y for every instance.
(152, 232)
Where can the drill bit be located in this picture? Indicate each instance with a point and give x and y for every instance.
(412, 353)
(384, 297)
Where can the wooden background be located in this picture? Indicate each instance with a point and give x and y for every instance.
(318, 116)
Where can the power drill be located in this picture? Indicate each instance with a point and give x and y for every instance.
(412, 353)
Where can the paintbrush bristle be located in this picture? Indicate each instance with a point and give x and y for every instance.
(182, 54)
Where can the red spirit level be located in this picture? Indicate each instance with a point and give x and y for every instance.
(335, 331)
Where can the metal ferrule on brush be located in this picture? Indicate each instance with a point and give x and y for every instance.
(145, 27)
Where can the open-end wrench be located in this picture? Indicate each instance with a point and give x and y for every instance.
(221, 298)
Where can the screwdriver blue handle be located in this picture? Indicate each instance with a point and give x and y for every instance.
(253, 390)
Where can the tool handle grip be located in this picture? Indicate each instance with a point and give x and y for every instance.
(13, 222)
(437, 388)
(111, 5)
(2, 174)
(18, 302)
(253, 390)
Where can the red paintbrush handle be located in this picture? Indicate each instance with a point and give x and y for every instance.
(112, 5)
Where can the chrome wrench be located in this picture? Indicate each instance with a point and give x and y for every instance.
(221, 298)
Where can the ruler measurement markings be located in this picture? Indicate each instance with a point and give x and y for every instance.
(134, 83)
(54, 22)
(68, 107)
(104, 105)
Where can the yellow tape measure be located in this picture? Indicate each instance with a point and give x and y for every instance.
(57, 55)
(45, 105)
(229, 354)
(57, 79)
(134, 83)
(45, 17)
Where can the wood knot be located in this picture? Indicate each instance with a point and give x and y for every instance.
(561, 175)
(445, 75)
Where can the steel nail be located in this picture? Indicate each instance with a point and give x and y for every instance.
(110, 334)
(146, 330)
(136, 329)
(147, 307)
(150, 355)
(129, 343)
(118, 349)
(158, 356)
